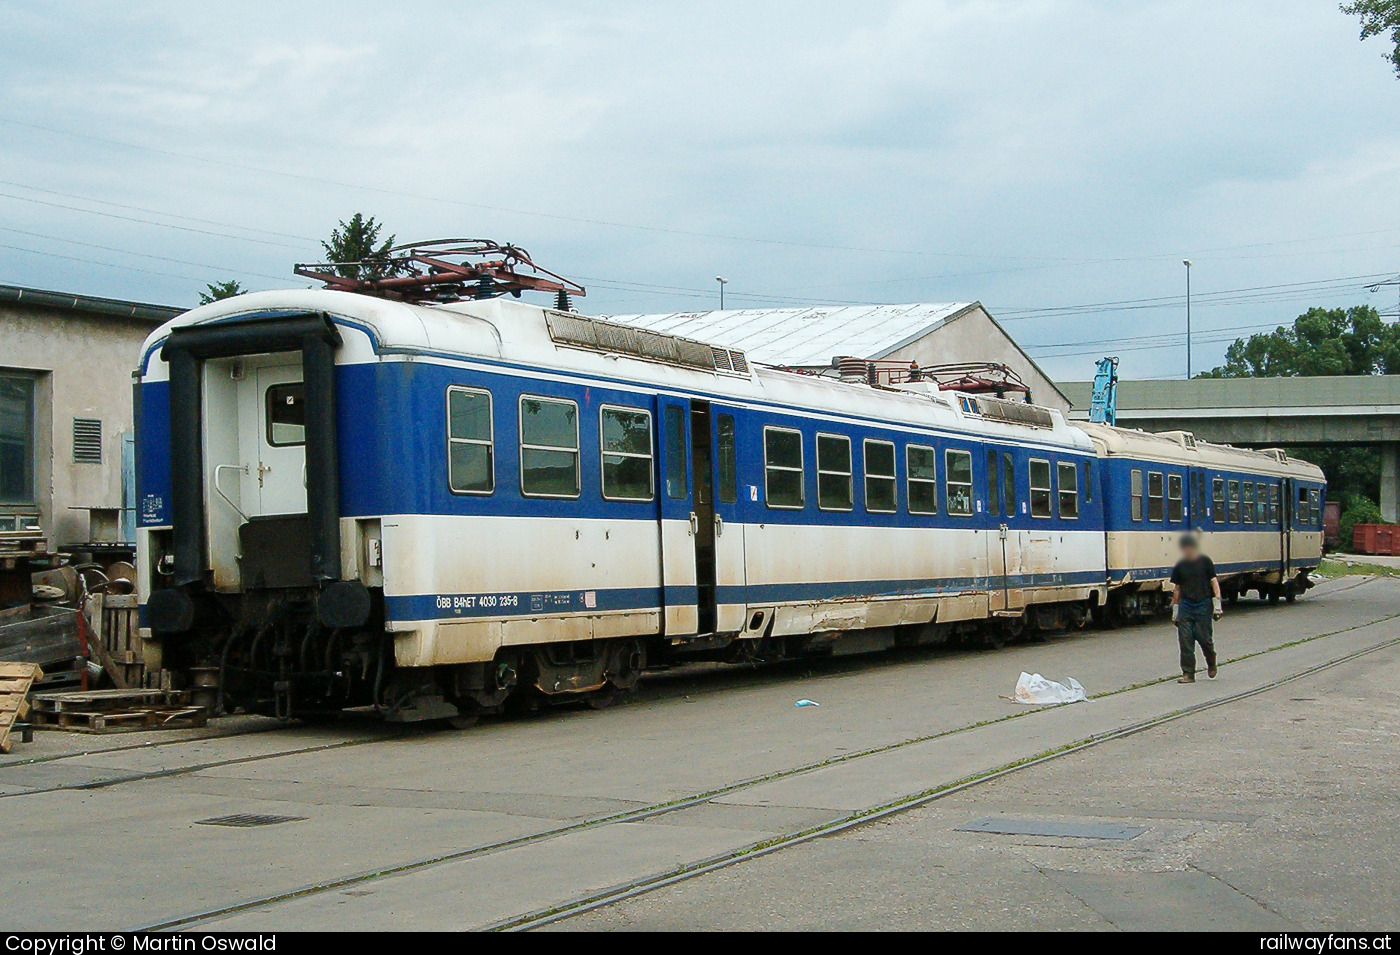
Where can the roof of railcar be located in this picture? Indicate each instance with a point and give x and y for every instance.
(1171, 448)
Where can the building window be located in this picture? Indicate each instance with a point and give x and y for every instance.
(1217, 496)
(16, 440)
(286, 415)
(1234, 509)
(728, 459)
(1040, 488)
(1008, 482)
(879, 476)
(1136, 488)
(957, 479)
(782, 465)
(1175, 511)
(921, 476)
(1154, 495)
(549, 465)
(1273, 503)
(834, 491)
(676, 488)
(1247, 508)
(626, 453)
(471, 467)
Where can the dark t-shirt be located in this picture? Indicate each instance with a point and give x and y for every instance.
(1194, 577)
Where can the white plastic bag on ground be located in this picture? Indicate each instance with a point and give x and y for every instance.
(1034, 688)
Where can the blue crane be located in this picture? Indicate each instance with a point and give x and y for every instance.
(1103, 404)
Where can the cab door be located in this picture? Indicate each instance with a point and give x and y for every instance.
(272, 440)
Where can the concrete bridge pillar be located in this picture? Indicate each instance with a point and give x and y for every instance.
(1390, 483)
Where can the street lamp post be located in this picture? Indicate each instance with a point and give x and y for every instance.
(722, 283)
(1187, 263)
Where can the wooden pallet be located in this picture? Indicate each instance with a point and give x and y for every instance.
(15, 682)
(109, 711)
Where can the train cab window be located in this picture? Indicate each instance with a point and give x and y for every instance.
(1088, 482)
(1154, 495)
(993, 482)
(1233, 514)
(1217, 499)
(1040, 488)
(626, 453)
(879, 477)
(834, 473)
(921, 476)
(1247, 506)
(1175, 510)
(549, 465)
(1273, 503)
(1303, 516)
(676, 486)
(1135, 487)
(782, 467)
(727, 459)
(1068, 499)
(470, 446)
(957, 481)
(1008, 482)
(286, 415)
(1314, 507)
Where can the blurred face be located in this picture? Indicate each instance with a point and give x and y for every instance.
(1189, 551)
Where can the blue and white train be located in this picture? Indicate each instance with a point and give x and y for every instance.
(437, 510)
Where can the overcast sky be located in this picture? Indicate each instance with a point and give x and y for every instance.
(1036, 155)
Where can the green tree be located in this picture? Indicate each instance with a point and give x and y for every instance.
(356, 244)
(220, 290)
(1321, 341)
(1378, 16)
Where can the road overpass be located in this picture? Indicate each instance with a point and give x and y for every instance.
(1266, 412)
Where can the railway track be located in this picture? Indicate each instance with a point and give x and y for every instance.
(651, 882)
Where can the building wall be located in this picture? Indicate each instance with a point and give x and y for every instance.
(973, 336)
(82, 365)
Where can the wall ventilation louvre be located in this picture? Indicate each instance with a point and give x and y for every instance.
(568, 328)
(87, 440)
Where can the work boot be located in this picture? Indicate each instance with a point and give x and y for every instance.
(1211, 668)
(1187, 678)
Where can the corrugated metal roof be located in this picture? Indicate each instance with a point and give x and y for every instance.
(807, 336)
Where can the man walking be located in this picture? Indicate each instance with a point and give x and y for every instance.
(1195, 605)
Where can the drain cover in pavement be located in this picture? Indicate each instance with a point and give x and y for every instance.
(247, 820)
(1055, 828)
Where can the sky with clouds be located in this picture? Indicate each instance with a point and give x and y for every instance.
(1054, 159)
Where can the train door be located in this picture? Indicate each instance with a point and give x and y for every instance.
(1004, 541)
(272, 440)
(1287, 509)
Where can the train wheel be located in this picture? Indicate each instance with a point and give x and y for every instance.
(463, 721)
(604, 698)
(1273, 598)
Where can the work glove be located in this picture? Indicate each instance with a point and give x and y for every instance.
(1176, 611)
(1218, 611)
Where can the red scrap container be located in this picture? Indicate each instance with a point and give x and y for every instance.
(1376, 538)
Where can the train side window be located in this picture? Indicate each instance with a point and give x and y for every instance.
(676, 486)
(470, 442)
(1154, 495)
(1175, 511)
(834, 473)
(1040, 488)
(993, 482)
(1008, 482)
(1136, 489)
(626, 453)
(549, 465)
(1234, 511)
(1273, 503)
(1314, 506)
(782, 469)
(879, 477)
(1261, 504)
(1068, 500)
(957, 481)
(1217, 498)
(1247, 505)
(921, 475)
(727, 459)
(1303, 516)
(1088, 482)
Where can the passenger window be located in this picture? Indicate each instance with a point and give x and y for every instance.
(471, 465)
(728, 459)
(1088, 482)
(1273, 503)
(286, 415)
(1040, 488)
(1174, 508)
(1136, 489)
(834, 473)
(958, 481)
(1234, 511)
(1314, 506)
(549, 465)
(993, 482)
(626, 452)
(1008, 482)
(676, 485)
(1261, 503)
(782, 465)
(921, 475)
(879, 477)
(1217, 496)
(1248, 507)
(1303, 516)
(1154, 495)
(1069, 490)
